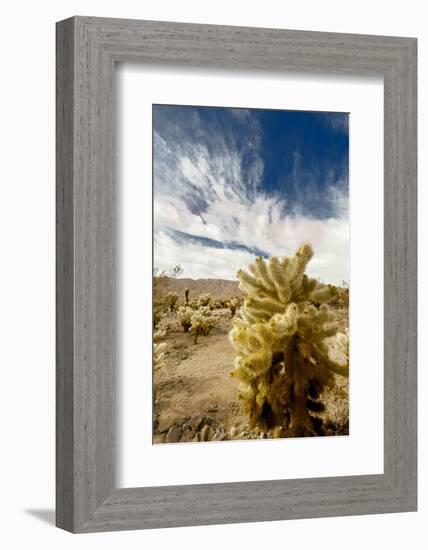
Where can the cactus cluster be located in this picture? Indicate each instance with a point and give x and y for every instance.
(283, 362)
(200, 321)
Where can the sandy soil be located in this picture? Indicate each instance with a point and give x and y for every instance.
(196, 398)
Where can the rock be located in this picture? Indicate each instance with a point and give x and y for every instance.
(222, 435)
(197, 422)
(170, 419)
(213, 408)
(206, 433)
(174, 435)
(187, 436)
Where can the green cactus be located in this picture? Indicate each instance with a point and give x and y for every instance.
(283, 362)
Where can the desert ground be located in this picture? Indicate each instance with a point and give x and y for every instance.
(195, 398)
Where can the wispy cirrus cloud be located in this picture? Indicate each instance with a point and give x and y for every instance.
(215, 210)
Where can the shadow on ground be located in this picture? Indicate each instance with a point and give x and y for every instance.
(43, 514)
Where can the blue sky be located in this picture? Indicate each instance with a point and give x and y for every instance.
(230, 184)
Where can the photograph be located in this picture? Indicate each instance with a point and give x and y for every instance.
(210, 265)
(250, 274)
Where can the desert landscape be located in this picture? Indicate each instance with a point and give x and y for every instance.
(195, 396)
(250, 270)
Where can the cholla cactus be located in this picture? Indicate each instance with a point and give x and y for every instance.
(159, 348)
(186, 295)
(282, 359)
(172, 299)
(234, 303)
(202, 322)
(204, 299)
(185, 317)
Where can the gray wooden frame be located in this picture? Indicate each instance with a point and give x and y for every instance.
(87, 50)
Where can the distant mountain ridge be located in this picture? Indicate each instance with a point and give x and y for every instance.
(218, 288)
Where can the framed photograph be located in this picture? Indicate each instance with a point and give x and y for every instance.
(236, 274)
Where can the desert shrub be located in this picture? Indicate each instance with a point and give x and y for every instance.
(204, 299)
(184, 315)
(202, 321)
(283, 361)
(171, 300)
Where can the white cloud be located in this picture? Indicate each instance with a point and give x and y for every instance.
(208, 192)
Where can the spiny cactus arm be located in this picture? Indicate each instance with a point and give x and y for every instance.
(302, 294)
(316, 324)
(260, 270)
(324, 358)
(266, 306)
(334, 353)
(158, 354)
(321, 294)
(278, 274)
(251, 284)
(297, 265)
(285, 324)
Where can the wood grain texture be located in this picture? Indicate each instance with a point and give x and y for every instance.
(87, 49)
